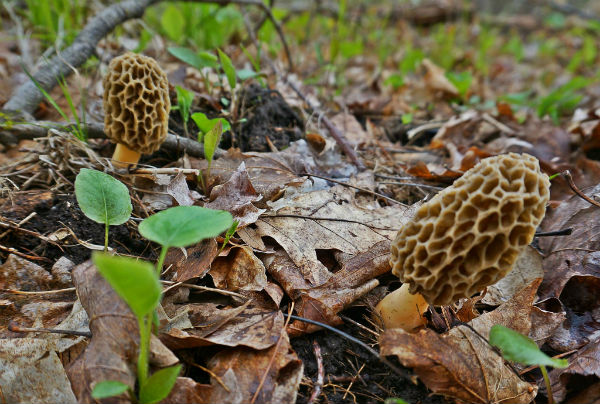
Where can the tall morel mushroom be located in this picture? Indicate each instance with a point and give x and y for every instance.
(136, 107)
(465, 238)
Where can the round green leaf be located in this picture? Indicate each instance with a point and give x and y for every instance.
(135, 281)
(102, 198)
(108, 388)
(159, 385)
(182, 226)
(521, 349)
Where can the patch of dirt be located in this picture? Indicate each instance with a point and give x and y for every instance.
(343, 360)
(62, 211)
(267, 114)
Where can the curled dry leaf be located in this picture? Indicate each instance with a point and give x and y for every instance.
(459, 363)
(236, 196)
(196, 261)
(436, 81)
(113, 348)
(243, 326)
(239, 270)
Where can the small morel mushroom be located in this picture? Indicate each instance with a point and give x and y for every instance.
(465, 238)
(136, 107)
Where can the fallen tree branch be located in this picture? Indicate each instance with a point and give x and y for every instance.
(38, 129)
(27, 97)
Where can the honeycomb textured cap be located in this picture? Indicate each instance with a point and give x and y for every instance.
(136, 102)
(470, 234)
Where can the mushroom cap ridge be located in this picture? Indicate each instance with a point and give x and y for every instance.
(136, 102)
(469, 235)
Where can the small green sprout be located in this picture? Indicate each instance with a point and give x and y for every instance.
(184, 104)
(228, 68)
(230, 233)
(138, 284)
(521, 349)
(102, 198)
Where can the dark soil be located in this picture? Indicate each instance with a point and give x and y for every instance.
(342, 360)
(266, 114)
(62, 211)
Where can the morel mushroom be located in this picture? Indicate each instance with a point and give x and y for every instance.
(466, 238)
(136, 107)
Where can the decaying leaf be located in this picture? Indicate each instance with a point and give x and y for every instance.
(196, 261)
(236, 196)
(462, 365)
(240, 270)
(272, 375)
(318, 221)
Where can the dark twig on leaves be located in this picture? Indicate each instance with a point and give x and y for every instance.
(320, 373)
(27, 97)
(38, 129)
(567, 176)
(16, 328)
(563, 232)
(349, 337)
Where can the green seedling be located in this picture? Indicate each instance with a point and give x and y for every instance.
(136, 282)
(521, 349)
(102, 198)
(228, 68)
(198, 60)
(563, 99)
(205, 124)
(184, 104)
(56, 20)
(182, 226)
(229, 233)
(461, 80)
(395, 401)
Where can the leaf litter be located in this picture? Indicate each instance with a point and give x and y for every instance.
(304, 241)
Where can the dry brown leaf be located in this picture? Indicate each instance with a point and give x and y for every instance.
(239, 270)
(576, 254)
(436, 81)
(586, 362)
(236, 196)
(20, 274)
(318, 229)
(196, 261)
(352, 129)
(252, 327)
(459, 363)
(179, 190)
(241, 371)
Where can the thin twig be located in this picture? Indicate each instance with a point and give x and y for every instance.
(412, 184)
(38, 293)
(368, 191)
(331, 219)
(15, 328)
(567, 175)
(199, 287)
(320, 373)
(563, 232)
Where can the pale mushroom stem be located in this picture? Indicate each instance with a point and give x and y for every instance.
(124, 156)
(401, 309)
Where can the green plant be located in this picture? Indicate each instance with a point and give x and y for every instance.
(211, 138)
(562, 99)
(184, 104)
(52, 19)
(138, 284)
(102, 198)
(521, 349)
(202, 26)
(461, 80)
(230, 232)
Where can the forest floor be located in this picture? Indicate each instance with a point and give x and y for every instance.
(339, 121)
